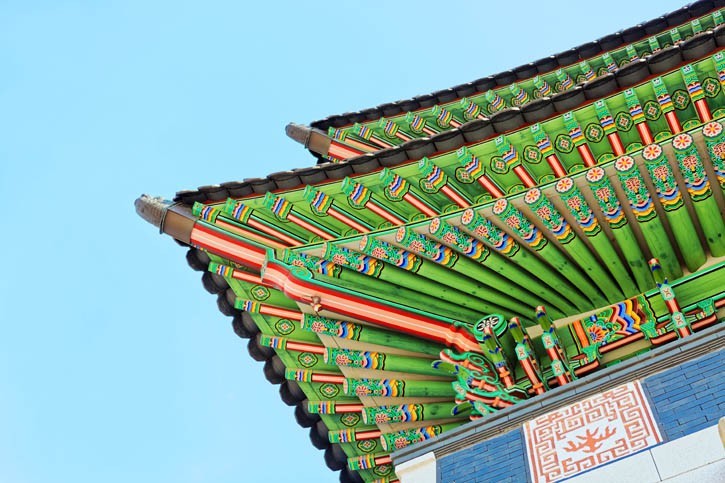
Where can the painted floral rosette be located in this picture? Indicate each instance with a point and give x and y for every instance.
(595, 174)
(435, 226)
(652, 152)
(532, 196)
(564, 185)
(468, 216)
(624, 164)
(682, 141)
(712, 130)
(500, 206)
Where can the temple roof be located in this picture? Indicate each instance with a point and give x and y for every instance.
(443, 265)
(420, 132)
(522, 73)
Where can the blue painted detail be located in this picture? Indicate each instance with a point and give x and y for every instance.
(684, 399)
(690, 397)
(483, 461)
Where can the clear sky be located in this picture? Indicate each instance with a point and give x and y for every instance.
(115, 364)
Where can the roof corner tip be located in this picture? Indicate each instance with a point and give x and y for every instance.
(298, 132)
(151, 208)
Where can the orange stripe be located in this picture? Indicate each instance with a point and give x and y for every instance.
(703, 111)
(386, 316)
(645, 133)
(311, 228)
(419, 205)
(271, 231)
(346, 220)
(455, 197)
(247, 277)
(524, 176)
(248, 234)
(302, 347)
(580, 333)
(383, 213)
(490, 186)
(556, 166)
(348, 408)
(616, 142)
(241, 253)
(337, 150)
(587, 155)
(279, 312)
(328, 378)
(673, 122)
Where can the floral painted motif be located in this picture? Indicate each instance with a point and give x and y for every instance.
(691, 167)
(606, 197)
(549, 215)
(661, 174)
(635, 189)
(715, 141)
(417, 243)
(335, 328)
(577, 205)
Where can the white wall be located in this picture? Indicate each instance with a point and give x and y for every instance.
(695, 458)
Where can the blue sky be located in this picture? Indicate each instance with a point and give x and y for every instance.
(115, 364)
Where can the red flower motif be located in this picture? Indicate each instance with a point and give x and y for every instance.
(712, 129)
(652, 151)
(682, 141)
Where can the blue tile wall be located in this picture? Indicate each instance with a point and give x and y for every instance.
(690, 397)
(501, 460)
(684, 399)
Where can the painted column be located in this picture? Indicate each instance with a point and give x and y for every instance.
(367, 134)
(398, 189)
(543, 143)
(715, 142)
(361, 197)
(574, 246)
(476, 170)
(670, 198)
(698, 187)
(644, 210)
(323, 204)
(438, 181)
(665, 102)
(680, 325)
(284, 211)
(484, 230)
(606, 197)
(534, 238)
(582, 213)
(511, 158)
(240, 212)
(392, 130)
(550, 339)
(418, 125)
(606, 121)
(577, 137)
(694, 89)
(637, 114)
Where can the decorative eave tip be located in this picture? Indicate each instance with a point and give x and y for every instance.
(171, 218)
(299, 133)
(311, 138)
(151, 209)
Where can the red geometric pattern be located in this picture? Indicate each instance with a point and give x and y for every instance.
(590, 433)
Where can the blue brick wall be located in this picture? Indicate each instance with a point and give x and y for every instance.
(501, 459)
(690, 397)
(684, 399)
